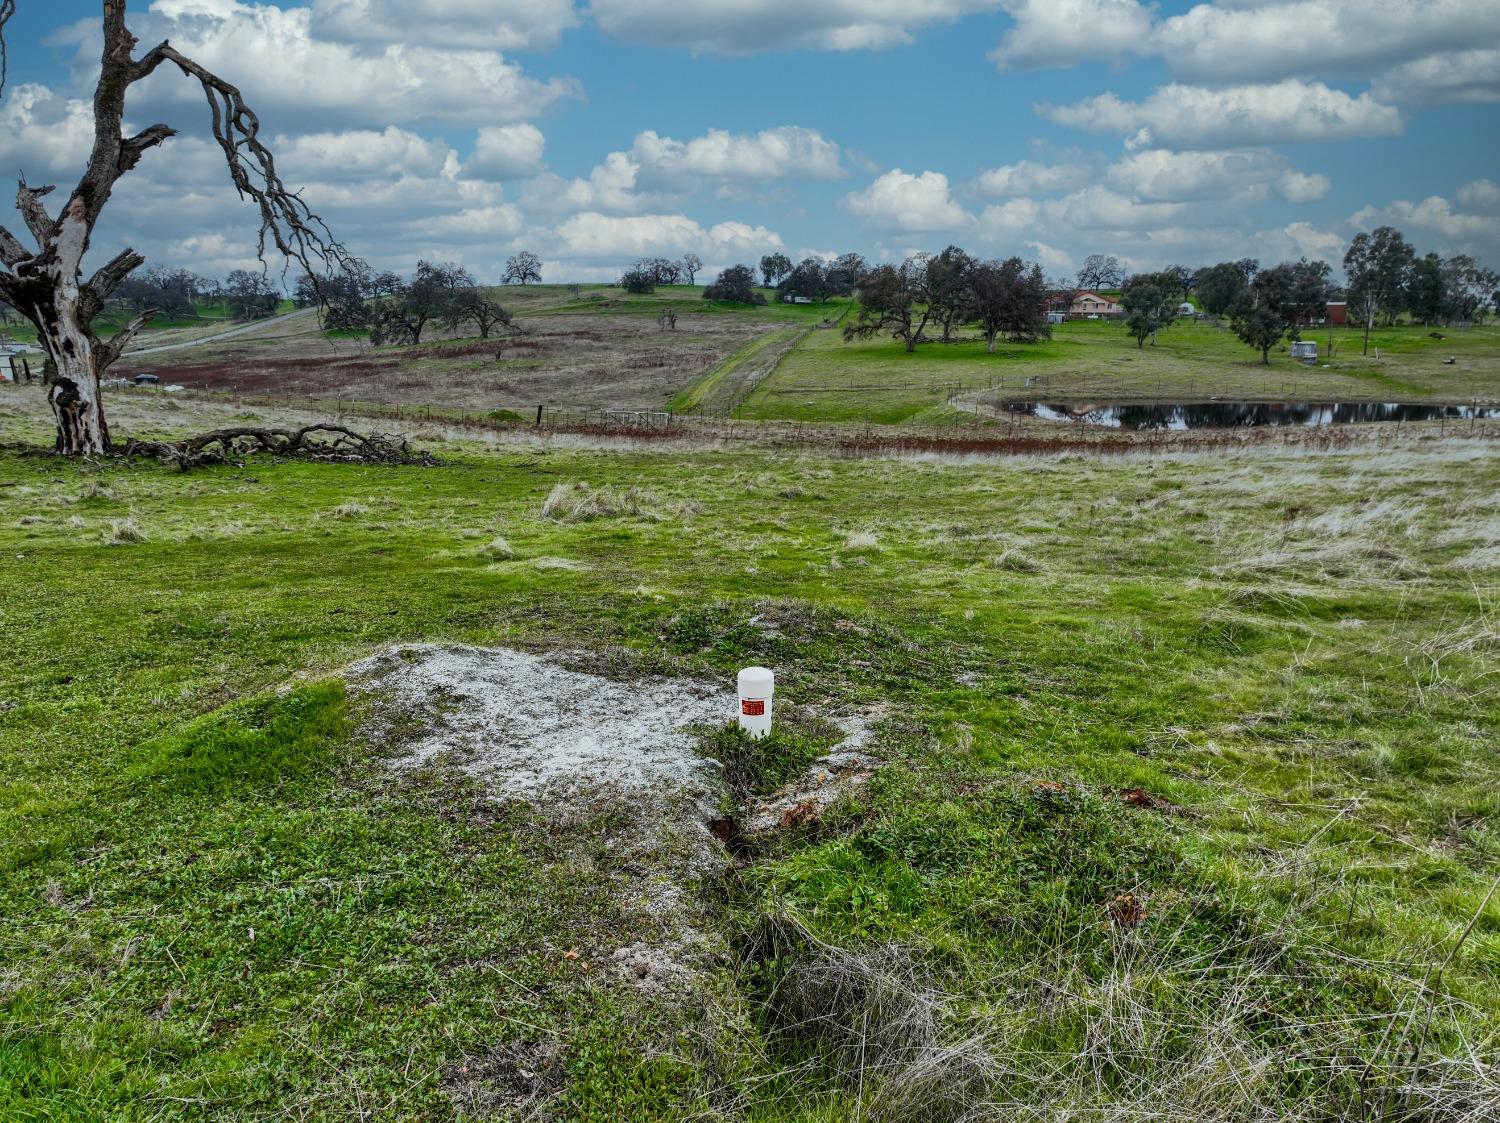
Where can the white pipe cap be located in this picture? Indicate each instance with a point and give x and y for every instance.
(757, 682)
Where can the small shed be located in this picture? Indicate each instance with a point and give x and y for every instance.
(144, 379)
(1305, 351)
(1057, 317)
(1338, 312)
(1186, 309)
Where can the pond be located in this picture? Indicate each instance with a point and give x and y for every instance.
(1229, 415)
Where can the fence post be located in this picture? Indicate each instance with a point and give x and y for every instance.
(538, 417)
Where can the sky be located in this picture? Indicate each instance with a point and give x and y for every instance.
(595, 132)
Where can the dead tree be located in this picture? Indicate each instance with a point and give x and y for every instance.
(46, 284)
(322, 441)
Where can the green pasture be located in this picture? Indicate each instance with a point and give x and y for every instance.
(218, 900)
(826, 378)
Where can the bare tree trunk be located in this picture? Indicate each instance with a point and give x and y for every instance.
(74, 398)
(46, 285)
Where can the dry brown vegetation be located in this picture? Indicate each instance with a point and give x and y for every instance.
(595, 362)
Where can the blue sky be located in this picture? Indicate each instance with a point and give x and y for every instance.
(597, 132)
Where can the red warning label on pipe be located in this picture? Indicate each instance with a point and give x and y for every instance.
(753, 707)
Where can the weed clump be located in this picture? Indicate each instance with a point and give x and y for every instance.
(580, 502)
(1014, 561)
(498, 548)
(869, 1016)
(861, 542)
(124, 532)
(349, 510)
(94, 490)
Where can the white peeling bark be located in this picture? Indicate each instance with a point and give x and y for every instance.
(74, 396)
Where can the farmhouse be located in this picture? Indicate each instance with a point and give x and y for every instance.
(1088, 304)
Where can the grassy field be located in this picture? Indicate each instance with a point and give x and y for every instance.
(208, 317)
(1188, 810)
(827, 378)
(601, 348)
(687, 301)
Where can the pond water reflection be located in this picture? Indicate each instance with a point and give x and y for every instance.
(1229, 415)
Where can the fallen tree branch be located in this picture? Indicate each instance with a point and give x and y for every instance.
(321, 441)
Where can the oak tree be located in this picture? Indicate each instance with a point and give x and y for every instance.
(773, 267)
(1009, 298)
(895, 300)
(523, 267)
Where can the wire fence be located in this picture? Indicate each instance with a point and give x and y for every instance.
(997, 433)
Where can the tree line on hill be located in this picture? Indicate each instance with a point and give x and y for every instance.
(647, 273)
(397, 310)
(926, 297)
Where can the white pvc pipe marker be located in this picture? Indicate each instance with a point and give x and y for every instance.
(757, 685)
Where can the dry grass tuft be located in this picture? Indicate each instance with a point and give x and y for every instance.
(871, 1018)
(861, 542)
(1014, 561)
(124, 532)
(1165, 1030)
(580, 502)
(349, 510)
(95, 490)
(498, 548)
(559, 563)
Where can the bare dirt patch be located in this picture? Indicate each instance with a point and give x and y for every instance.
(531, 729)
(579, 748)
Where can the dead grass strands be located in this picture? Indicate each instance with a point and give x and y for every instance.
(124, 532)
(1167, 1031)
(581, 502)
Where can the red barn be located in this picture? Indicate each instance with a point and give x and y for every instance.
(1338, 312)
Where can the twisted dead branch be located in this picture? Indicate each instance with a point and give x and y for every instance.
(323, 442)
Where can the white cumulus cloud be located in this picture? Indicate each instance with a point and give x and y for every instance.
(1229, 43)
(288, 72)
(1199, 117)
(748, 26)
(594, 235)
(912, 203)
(1162, 174)
(493, 24)
(1481, 196)
(47, 135)
(507, 151)
(1064, 32)
(1464, 224)
(1030, 177)
(787, 152)
(1450, 78)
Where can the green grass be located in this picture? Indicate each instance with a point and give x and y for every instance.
(718, 387)
(687, 301)
(826, 378)
(218, 901)
(206, 314)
